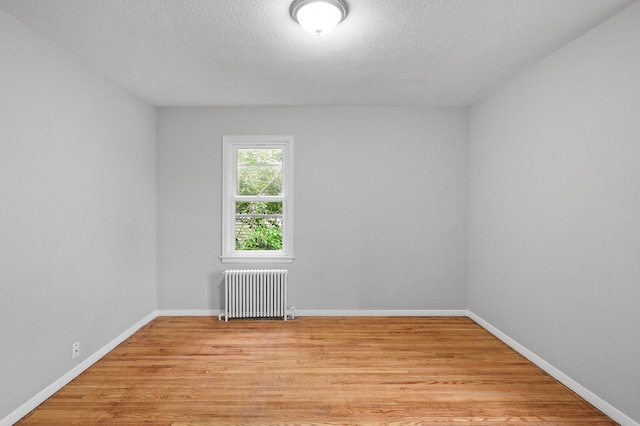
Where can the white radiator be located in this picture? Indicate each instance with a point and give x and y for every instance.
(255, 293)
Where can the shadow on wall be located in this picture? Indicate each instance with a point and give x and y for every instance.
(216, 280)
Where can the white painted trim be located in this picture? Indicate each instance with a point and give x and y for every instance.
(54, 387)
(247, 259)
(592, 398)
(382, 313)
(230, 145)
(329, 313)
(189, 313)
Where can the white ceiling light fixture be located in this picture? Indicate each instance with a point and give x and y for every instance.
(318, 17)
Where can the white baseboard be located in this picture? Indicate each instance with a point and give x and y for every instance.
(54, 387)
(585, 393)
(189, 313)
(330, 313)
(382, 313)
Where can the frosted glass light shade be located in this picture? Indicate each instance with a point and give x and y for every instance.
(318, 16)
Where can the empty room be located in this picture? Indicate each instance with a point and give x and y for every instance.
(222, 212)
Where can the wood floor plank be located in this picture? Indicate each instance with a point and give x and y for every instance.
(326, 370)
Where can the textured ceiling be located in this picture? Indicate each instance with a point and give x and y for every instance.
(250, 52)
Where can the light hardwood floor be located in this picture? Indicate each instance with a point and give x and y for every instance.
(314, 370)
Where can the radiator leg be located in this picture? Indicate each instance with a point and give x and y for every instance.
(291, 313)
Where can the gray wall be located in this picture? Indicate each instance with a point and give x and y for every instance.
(380, 209)
(380, 205)
(554, 222)
(77, 215)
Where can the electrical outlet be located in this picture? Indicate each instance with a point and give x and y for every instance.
(75, 350)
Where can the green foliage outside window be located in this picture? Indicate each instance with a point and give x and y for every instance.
(259, 224)
(261, 234)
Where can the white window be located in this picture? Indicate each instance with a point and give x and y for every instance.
(257, 204)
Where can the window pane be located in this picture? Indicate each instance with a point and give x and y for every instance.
(258, 233)
(258, 226)
(259, 171)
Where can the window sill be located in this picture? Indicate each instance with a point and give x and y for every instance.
(256, 259)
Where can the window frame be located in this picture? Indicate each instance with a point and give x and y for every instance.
(230, 145)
